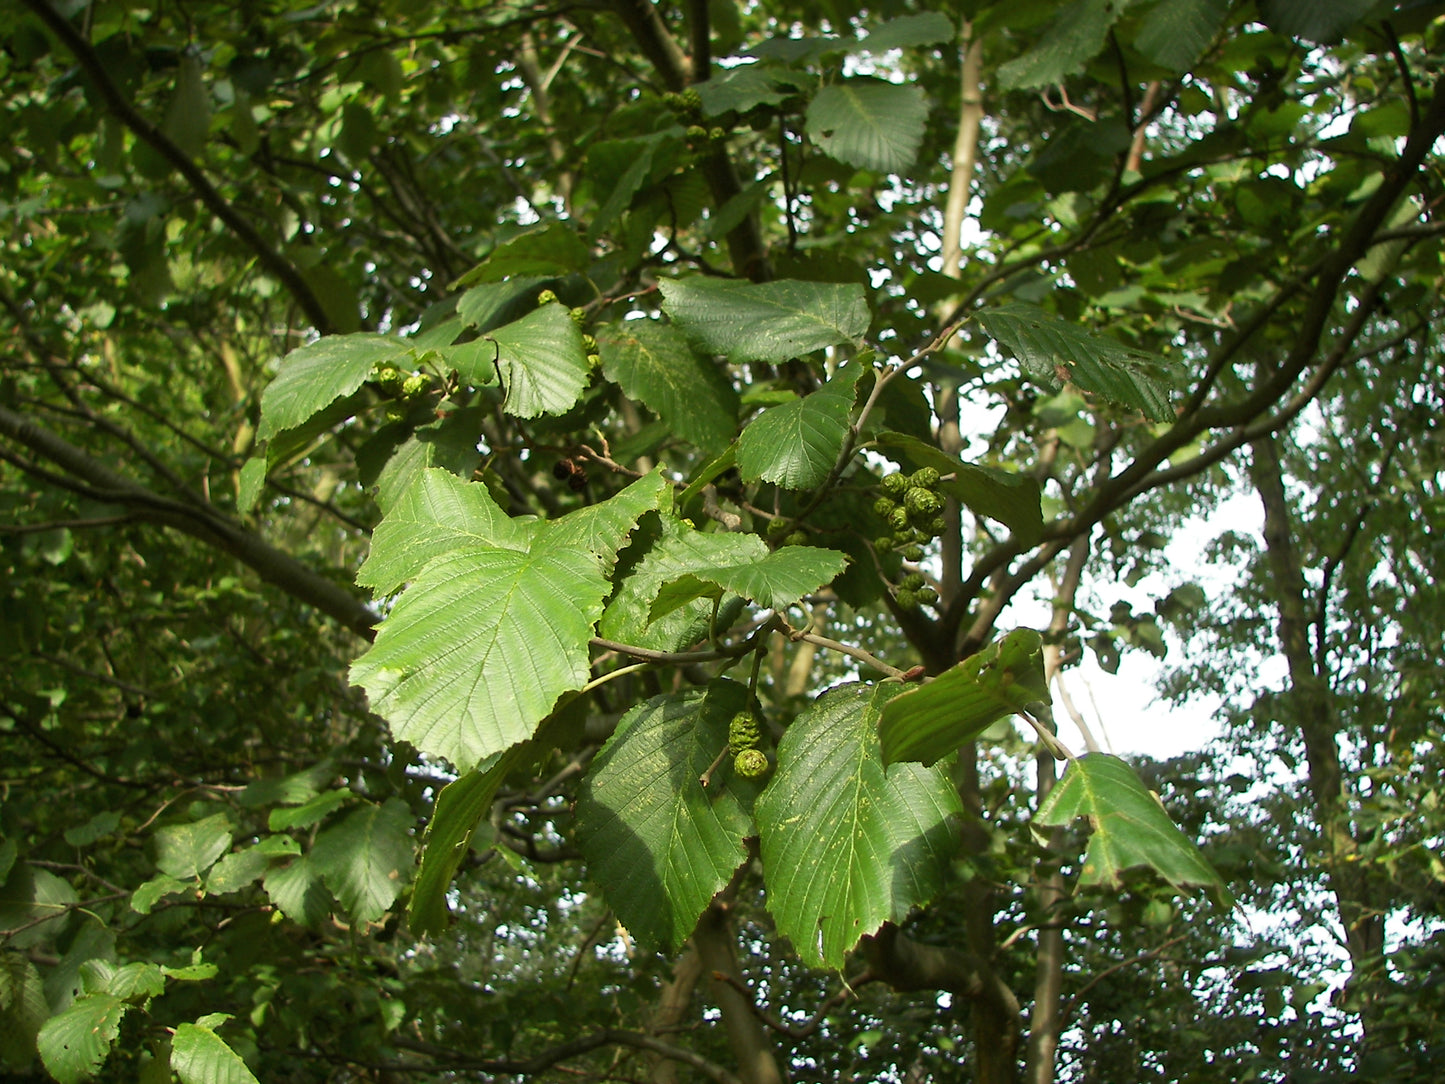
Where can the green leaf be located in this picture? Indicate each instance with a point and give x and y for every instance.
(745, 87)
(602, 529)
(1052, 350)
(1175, 32)
(550, 251)
(309, 812)
(22, 1009)
(908, 31)
(1129, 828)
(868, 123)
(847, 845)
(437, 515)
(659, 844)
(479, 648)
(367, 859)
(1075, 36)
(1319, 21)
(144, 898)
(249, 484)
(200, 1056)
(237, 871)
(136, 981)
(770, 321)
(933, 720)
(678, 550)
(297, 890)
(797, 444)
(653, 363)
(484, 308)
(188, 850)
(772, 580)
(188, 116)
(74, 1044)
(1015, 500)
(544, 367)
(460, 806)
(315, 376)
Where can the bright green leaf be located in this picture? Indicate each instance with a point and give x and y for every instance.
(1129, 828)
(550, 250)
(479, 648)
(1052, 350)
(868, 123)
(847, 845)
(772, 580)
(770, 321)
(188, 850)
(367, 859)
(677, 551)
(659, 843)
(200, 1056)
(460, 806)
(544, 367)
(237, 871)
(602, 529)
(933, 720)
(436, 515)
(796, 444)
(313, 377)
(653, 363)
(75, 1043)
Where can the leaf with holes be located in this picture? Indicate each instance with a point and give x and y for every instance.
(868, 123)
(74, 1043)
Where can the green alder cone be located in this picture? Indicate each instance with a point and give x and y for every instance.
(924, 478)
(894, 484)
(743, 732)
(751, 764)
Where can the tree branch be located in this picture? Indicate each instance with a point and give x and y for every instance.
(204, 190)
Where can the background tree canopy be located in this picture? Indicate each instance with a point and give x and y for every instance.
(540, 540)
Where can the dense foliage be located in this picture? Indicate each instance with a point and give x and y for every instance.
(543, 540)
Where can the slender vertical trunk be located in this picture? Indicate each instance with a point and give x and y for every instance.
(1312, 709)
(1051, 893)
(751, 1046)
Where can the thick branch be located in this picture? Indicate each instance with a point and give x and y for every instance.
(206, 192)
(714, 940)
(199, 521)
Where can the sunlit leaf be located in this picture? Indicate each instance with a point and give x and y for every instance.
(1129, 828)
(773, 580)
(796, 444)
(188, 850)
(200, 1056)
(480, 646)
(543, 365)
(931, 721)
(74, 1043)
(313, 377)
